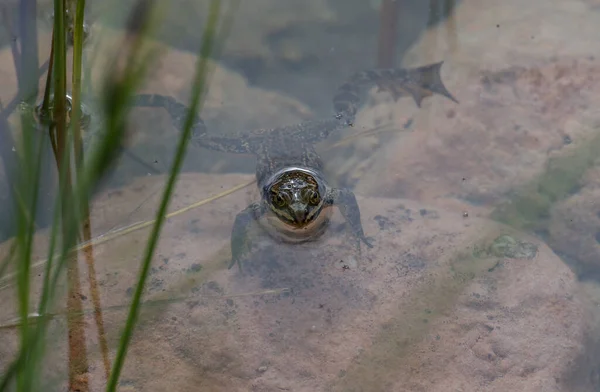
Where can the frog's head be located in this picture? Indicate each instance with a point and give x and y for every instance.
(296, 197)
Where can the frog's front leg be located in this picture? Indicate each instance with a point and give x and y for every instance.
(239, 234)
(345, 201)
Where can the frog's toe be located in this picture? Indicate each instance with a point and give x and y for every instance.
(368, 241)
(239, 263)
(234, 262)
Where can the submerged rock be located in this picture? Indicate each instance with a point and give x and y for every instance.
(425, 309)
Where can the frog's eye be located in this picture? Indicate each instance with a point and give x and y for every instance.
(278, 200)
(313, 197)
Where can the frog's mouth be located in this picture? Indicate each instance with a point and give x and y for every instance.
(292, 232)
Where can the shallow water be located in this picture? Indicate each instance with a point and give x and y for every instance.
(483, 213)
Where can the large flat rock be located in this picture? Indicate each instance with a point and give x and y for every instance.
(442, 302)
(528, 83)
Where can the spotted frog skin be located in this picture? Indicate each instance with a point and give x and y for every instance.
(289, 173)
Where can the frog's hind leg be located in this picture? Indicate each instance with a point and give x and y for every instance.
(312, 131)
(199, 137)
(225, 144)
(177, 111)
(420, 83)
(349, 96)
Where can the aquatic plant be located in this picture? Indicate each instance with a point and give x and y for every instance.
(57, 123)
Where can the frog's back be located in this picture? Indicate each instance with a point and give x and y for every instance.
(279, 154)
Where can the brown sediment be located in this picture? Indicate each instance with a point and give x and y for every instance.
(89, 258)
(78, 363)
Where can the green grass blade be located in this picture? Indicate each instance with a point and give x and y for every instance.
(77, 69)
(28, 189)
(11, 372)
(26, 183)
(60, 80)
(197, 90)
(9, 257)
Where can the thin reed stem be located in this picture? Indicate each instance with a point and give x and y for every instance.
(78, 363)
(78, 38)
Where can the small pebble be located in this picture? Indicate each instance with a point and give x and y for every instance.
(262, 369)
(350, 263)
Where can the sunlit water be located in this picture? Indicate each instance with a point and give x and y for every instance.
(484, 214)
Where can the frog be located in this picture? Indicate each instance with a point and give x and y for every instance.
(295, 197)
